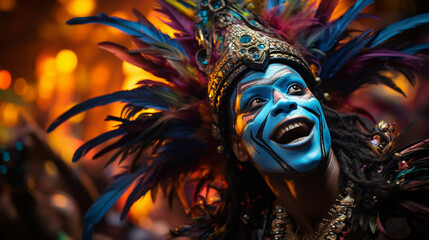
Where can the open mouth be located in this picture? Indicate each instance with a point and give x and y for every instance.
(292, 131)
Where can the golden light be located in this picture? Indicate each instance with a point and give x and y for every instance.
(100, 75)
(66, 61)
(50, 168)
(140, 209)
(7, 5)
(130, 69)
(20, 86)
(59, 200)
(400, 80)
(46, 66)
(46, 86)
(340, 9)
(5, 79)
(100, 34)
(5, 133)
(159, 21)
(30, 94)
(67, 153)
(119, 14)
(135, 74)
(80, 8)
(10, 114)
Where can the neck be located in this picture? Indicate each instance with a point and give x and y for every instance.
(307, 197)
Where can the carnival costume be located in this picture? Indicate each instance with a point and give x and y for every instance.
(176, 130)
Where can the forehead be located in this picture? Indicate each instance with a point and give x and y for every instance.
(273, 72)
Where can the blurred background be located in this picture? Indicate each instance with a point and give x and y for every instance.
(47, 66)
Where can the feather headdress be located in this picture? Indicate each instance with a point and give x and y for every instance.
(166, 127)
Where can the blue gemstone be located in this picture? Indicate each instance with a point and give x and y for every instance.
(261, 46)
(19, 146)
(203, 13)
(255, 23)
(245, 39)
(255, 56)
(202, 58)
(6, 156)
(3, 169)
(243, 50)
(216, 4)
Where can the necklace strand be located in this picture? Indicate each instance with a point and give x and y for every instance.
(283, 227)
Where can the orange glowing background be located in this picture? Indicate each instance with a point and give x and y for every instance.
(47, 66)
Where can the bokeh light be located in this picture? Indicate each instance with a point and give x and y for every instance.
(80, 8)
(30, 93)
(7, 5)
(59, 200)
(10, 114)
(50, 168)
(20, 86)
(5, 79)
(66, 61)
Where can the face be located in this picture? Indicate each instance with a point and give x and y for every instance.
(278, 121)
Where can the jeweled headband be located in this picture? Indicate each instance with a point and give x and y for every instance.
(235, 42)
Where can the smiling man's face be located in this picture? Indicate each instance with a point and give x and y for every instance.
(278, 121)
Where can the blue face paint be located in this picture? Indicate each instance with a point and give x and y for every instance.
(279, 120)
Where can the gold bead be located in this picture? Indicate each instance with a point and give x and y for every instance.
(318, 81)
(220, 149)
(384, 126)
(327, 96)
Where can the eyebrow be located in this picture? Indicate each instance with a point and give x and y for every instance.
(263, 81)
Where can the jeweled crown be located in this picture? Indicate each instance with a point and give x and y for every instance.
(233, 42)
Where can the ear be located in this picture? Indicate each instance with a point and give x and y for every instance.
(238, 148)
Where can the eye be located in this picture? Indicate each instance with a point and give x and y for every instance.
(296, 89)
(256, 102)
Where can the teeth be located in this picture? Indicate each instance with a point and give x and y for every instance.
(298, 139)
(289, 127)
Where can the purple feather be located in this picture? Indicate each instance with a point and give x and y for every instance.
(177, 21)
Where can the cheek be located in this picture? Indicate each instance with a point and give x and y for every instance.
(243, 120)
(309, 101)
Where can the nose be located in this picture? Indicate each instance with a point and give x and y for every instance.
(281, 104)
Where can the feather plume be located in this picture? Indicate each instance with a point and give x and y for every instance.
(106, 200)
(142, 96)
(325, 10)
(399, 27)
(336, 29)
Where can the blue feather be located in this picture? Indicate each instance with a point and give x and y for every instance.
(145, 184)
(86, 147)
(399, 27)
(179, 130)
(141, 96)
(335, 61)
(279, 4)
(106, 200)
(337, 28)
(415, 48)
(135, 29)
(141, 29)
(175, 153)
